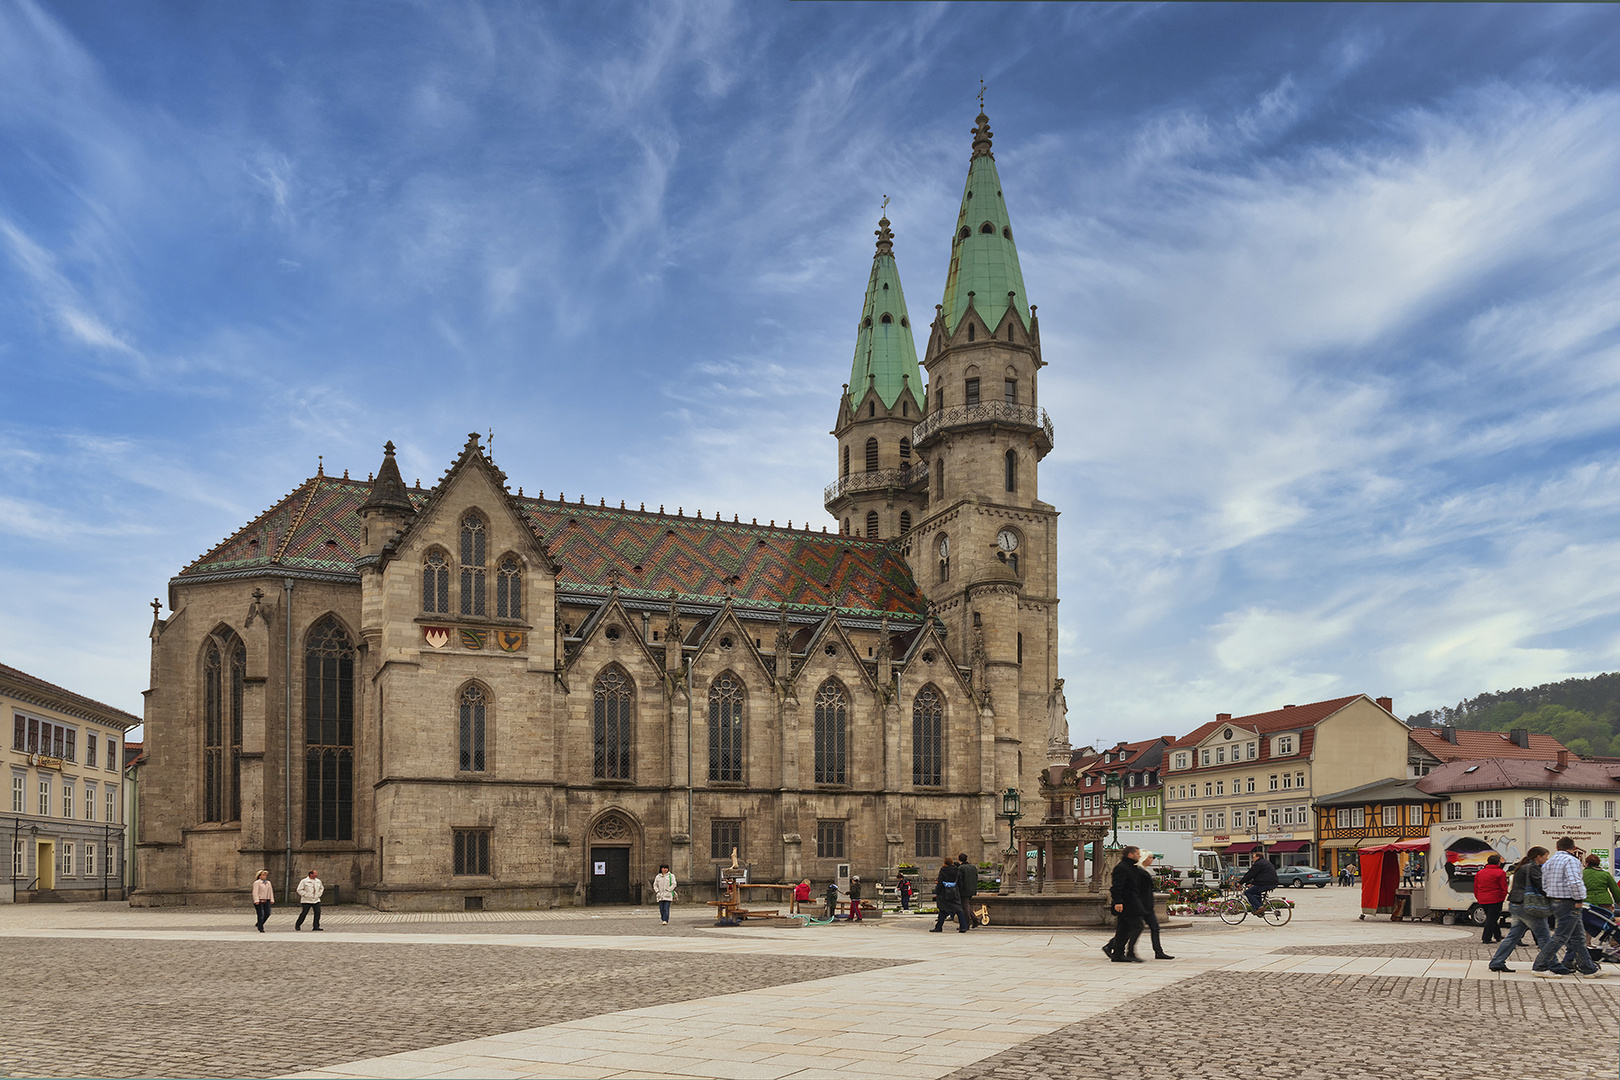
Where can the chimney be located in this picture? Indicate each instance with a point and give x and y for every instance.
(1563, 760)
(1450, 734)
(1222, 717)
(1387, 704)
(1521, 737)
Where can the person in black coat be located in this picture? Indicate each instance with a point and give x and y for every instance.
(1125, 892)
(1261, 878)
(967, 887)
(1148, 886)
(946, 897)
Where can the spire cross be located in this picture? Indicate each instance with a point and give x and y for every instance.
(981, 95)
(156, 607)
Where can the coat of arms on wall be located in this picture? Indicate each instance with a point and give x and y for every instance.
(510, 640)
(436, 636)
(473, 639)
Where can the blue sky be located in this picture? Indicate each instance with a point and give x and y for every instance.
(1330, 297)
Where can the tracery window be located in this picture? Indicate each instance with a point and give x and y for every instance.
(832, 734)
(927, 738)
(612, 702)
(329, 733)
(436, 584)
(1012, 470)
(473, 538)
(509, 589)
(871, 455)
(474, 706)
(872, 524)
(726, 728)
(224, 673)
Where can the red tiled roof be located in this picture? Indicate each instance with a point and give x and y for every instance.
(1286, 719)
(1517, 772)
(1473, 745)
(30, 684)
(317, 527)
(1130, 752)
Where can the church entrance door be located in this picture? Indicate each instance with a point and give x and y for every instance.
(610, 876)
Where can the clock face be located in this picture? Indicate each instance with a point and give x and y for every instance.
(944, 546)
(1007, 540)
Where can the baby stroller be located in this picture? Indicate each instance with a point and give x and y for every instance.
(1605, 947)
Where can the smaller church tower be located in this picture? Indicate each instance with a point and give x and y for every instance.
(881, 489)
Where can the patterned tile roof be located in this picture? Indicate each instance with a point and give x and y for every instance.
(317, 527)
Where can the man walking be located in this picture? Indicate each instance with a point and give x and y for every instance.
(1561, 881)
(967, 887)
(1126, 896)
(946, 898)
(309, 893)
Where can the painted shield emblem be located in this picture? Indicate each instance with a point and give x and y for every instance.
(436, 636)
(511, 640)
(472, 639)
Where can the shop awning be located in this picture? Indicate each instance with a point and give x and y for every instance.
(1288, 847)
(1238, 849)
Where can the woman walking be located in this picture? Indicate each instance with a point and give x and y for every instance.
(1148, 885)
(264, 897)
(1527, 904)
(1490, 889)
(664, 891)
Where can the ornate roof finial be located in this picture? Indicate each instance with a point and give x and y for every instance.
(885, 241)
(981, 133)
(320, 464)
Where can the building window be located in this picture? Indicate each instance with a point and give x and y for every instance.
(67, 800)
(944, 550)
(725, 836)
(927, 738)
(1249, 784)
(930, 839)
(112, 806)
(1273, 782)
(89, 802)
(19, 797)
(1009, 388)
(831, 735)
(1288, 781)
(1299, 779)
(329, 733)
(846, 460)
(1204, 757)
(1341, 818)
(17, 858)
(1285, 745)
(509, 589)
(44, 798)
(1220, 787)
(65, 860)
(871, 455)
(1453, 811)
(1181, 761)
(473, 724)
(1556, 808)
(112, 754)
(471, 852)
(872, 524)
(436, 584)
(1209, 789)
(905, 452)
(905, 522)
(829, 839)
(90, 744)
(1488, 808)
(1012, 470)
(726, 728)
(224, 676)
(1532, 808)
(1220, 755)
(473, 538)
(1586, 808)
(612, 702)
(972, 390)
(1608, 808)
(939, 479)
(89, 860)
(1254, 751)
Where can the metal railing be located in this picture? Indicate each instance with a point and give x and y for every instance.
(876, 479)
(985, 412)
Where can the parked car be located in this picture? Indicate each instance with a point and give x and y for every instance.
(1301, 876)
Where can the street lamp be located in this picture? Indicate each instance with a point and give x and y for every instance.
(1114, 796)
(1009, 810)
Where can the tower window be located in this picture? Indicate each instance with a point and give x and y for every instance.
(872, 524)
(970, 331)
(871, 455)
(987, 228)
(871, 408)
(1012, 470)
(965, 233)
(905, 522)
(846, 460)
(1009, 387)
(944, 549)
(1006, 231)
(846, 526)
(905, 450)
(972, 387)
(886, 317)
(1020, 648)
(939, 479)
(939, 398)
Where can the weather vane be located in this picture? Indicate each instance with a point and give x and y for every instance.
(981, 95)
(885, 205)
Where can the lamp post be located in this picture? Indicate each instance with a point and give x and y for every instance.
(1009, 810)
(1114, 796)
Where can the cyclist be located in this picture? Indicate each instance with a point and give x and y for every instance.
(1261, 879)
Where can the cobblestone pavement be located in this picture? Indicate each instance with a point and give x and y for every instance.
(1354, 1027)
(233, 1008)
(1470, 949)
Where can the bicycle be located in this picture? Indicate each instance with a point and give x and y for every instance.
(1234, 908)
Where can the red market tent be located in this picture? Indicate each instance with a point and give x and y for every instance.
(1381, 874)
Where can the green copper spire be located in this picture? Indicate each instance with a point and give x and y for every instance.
(984, 260)
(885, 355)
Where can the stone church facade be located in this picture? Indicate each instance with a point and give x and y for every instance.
(459, 697)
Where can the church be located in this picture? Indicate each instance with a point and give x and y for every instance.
(460, 698)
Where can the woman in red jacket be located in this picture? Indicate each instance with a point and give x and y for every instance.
(1490, 889)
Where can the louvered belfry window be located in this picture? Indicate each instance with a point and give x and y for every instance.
(329, 733)
(871, 455)
(725, 728)
(927, 738)
(613, 698)
(473, 538)
(832, 735)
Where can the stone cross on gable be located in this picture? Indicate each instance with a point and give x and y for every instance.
(157, 606)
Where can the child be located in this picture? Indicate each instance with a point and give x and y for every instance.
(801, 895)
(905, 894)
(832, 899)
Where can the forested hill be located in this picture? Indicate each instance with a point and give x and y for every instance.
(1583, 714)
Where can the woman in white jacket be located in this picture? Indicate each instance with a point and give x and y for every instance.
(664, 890)
(264, 897)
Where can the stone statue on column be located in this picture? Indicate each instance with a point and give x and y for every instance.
(1058, 750)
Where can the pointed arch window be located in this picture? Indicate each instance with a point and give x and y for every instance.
(927, 738)
(726, 728)
(473, 723)
(939, 478)
(970, 338)
(988, 228)
(846, 460)
(971, 386)
(886, 317)
(871, 524)
(436, 584)
(509, 589)
(224, 675)
(871, 455)
(905, 450)
(474, 537)
(871, 408)
(905, 522)
(612, 700)
(1012, 470)
(832, 734)
(329, 733)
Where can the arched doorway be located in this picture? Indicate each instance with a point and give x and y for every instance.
(613, 871)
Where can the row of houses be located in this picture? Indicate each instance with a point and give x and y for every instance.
(1314, 783)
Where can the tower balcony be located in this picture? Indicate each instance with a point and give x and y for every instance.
(1007, 414)
(911, 478)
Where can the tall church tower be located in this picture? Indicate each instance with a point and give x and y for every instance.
(986, 553)
(880, 491)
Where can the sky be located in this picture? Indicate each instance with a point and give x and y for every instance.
(1329, 296)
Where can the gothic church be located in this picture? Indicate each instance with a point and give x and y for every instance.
(458, 698)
